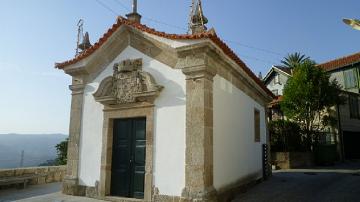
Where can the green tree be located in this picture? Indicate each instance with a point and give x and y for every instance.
(61, 149)
(294, 59)
(308, 98)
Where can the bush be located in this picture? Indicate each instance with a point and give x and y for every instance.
(61, 149)
(285, 136)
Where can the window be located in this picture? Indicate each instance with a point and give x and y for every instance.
(350, 78)
(275, 92)
(257, 125)
(277, 78)
(354, 107)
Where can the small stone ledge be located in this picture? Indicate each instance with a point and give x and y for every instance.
(290, 160)
(45, 174)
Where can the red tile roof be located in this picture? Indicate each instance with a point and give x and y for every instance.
(276, 101)
(206, 35)
(341, 62)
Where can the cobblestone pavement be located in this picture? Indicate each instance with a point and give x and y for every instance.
(333, 184)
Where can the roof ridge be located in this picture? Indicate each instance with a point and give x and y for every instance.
(343, 57)
(340, 62)
(123, 21)
(211, 34)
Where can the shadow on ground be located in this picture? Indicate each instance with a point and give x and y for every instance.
(338, 183)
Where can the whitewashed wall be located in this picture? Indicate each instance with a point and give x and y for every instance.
(236, 154)
(169, 129)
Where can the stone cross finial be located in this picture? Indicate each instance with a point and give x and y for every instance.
(134, 16)
(197, 18)
(134, 6)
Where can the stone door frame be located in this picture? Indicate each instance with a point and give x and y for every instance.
(135, 110)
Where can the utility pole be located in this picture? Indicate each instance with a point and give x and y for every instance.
(22, 159)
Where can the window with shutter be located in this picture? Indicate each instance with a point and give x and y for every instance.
(354, 107)
(350, 78)
(277, 78)
(257, 125)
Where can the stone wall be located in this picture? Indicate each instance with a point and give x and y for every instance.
(289, 160)
(48, 174)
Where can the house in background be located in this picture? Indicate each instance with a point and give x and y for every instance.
(163, 117)
(346, 71)
(275, 80)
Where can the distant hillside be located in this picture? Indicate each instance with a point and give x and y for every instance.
(37, 149)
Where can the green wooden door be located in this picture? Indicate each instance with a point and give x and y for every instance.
(128, 158)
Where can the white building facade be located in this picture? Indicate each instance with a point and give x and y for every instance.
(161, 117)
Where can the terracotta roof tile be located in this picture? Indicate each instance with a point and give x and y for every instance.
(341, 62)
(210, 35)
(276, 101)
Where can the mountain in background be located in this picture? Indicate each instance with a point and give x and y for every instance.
(38, 148)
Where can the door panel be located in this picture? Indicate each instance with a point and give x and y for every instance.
(139, 157)
(128, 159)
(120, 171)
(351, 145)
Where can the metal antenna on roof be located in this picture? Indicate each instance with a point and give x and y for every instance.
(80, 35)
(83, 41)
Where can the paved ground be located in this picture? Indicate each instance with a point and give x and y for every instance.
(59, 197)
(30, 191)
(334, 184)
(40, 193)
(339, 183)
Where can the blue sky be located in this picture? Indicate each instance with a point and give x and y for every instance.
(35, 34)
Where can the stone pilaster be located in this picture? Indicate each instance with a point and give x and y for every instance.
(71, 183)
(199, 132)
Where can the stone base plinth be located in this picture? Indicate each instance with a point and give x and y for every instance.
(71, 187)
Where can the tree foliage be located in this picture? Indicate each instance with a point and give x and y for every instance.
(308, 98)
(61, 150)
(293, 60)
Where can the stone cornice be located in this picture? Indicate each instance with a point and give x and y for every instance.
(196, 72)
(207, 54)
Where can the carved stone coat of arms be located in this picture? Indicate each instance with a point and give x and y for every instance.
(128, 84)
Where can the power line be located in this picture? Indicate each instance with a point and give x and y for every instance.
(255, 48)
(257, 59)
(122, 5)
(164, 23)
(107, 7)
(181, 28)
(151, 19)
